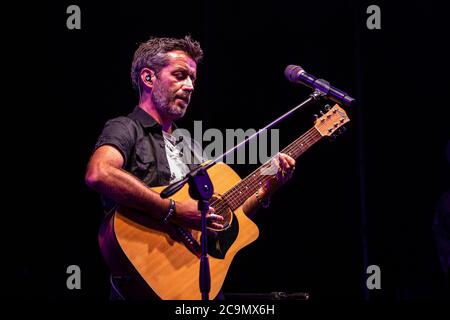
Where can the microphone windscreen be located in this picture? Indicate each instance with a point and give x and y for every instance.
(291, 72)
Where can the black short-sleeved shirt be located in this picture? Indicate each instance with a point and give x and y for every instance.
(138, 137)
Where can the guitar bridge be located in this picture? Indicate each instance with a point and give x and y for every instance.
(218, 242)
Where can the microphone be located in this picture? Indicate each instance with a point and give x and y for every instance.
(180, 138)
(296, 74)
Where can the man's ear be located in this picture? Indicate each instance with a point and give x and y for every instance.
(147, 77)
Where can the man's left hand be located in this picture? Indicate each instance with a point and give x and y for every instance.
(286, 166)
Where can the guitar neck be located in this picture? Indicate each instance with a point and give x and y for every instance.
(237, 195)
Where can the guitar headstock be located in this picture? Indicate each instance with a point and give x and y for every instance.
(332, 120)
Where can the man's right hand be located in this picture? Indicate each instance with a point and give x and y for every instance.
(188, 215)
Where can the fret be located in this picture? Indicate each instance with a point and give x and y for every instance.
(237, 195)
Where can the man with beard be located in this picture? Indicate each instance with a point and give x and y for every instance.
(141, 150)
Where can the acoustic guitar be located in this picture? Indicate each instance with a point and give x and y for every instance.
(166, 256)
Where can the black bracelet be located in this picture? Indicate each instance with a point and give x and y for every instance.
(171, 211)
(257, 197)
(264, 203)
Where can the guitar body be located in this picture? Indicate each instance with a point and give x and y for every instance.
(164, 262)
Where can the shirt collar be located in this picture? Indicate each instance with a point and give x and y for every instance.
(143, 118)
(146, 120)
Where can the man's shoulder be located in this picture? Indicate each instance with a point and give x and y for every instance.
(122, 126)
(124, 120)
(123, 123)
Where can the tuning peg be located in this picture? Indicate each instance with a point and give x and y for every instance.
(321, 112)
(316, 117)
(327, 107)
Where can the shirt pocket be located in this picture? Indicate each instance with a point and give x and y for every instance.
(145, 161)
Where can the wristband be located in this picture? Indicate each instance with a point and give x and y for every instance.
(171, 211)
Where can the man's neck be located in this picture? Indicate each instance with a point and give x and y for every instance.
(148, 107)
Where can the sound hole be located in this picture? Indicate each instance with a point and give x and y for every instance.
(222, 208)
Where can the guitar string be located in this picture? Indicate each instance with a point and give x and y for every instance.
(234, 199)
(305, 137)
(255, 175)
(256, 180)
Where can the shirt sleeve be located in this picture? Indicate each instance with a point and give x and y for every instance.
(118, 133)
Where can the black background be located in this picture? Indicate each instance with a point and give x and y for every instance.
(385, 173)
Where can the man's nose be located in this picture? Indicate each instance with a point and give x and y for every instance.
(188, 85)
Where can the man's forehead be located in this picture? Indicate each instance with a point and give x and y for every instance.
(180, 58)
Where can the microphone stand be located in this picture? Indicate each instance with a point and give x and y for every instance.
(201, 189)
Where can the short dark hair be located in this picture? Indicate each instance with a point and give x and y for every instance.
(152, 54)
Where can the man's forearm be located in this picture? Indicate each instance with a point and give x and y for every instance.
(251, 205)
(129, 191)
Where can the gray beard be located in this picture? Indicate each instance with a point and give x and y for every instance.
(162, 100)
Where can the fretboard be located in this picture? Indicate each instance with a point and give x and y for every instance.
(237, 195)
